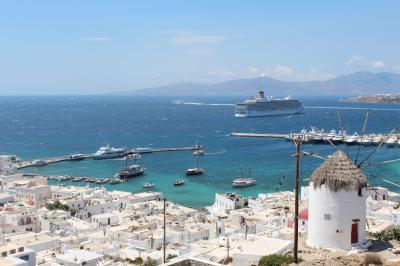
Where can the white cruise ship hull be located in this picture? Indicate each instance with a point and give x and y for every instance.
(269, 112)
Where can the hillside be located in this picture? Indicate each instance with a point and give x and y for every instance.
(359, 83)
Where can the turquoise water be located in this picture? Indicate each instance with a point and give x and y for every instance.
(37, 127)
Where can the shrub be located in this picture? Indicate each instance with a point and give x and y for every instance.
(374, 259)
(392, 234)
(138, 261)
(171, 256)
(150, 262)
(275, 260)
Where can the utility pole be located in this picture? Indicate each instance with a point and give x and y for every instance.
(297, 142)
(164, 240)
(227, 247)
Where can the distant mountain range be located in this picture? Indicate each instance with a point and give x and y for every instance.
(359, 83)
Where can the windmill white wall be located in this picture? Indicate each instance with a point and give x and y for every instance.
(331, 215)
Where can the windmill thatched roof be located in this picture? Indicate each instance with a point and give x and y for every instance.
(337, 173)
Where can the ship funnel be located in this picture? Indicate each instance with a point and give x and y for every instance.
(261, 94)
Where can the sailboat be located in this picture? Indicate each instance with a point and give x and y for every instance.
(243, 181)
(131, 170)
(196, 170)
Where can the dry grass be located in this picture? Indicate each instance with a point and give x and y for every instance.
(372, 259)
(339, 173)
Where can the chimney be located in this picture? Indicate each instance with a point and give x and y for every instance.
(261, 94)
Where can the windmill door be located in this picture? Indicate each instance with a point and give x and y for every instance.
(354, 232)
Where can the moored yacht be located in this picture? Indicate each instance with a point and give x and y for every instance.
(330, 136)
(391, 141)
(351, 139)
(377, 140)
(365, 141)
(106, 152)
(243, 182)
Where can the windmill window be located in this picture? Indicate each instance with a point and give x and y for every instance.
(327, 216)
(359, 192)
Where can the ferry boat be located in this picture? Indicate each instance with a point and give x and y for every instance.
(243, 182)
(131, 171)
(179, 182)
(77, 179)
(262, 107)
(106, 152)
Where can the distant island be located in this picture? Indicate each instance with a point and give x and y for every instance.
(378, 98)
(359, 83)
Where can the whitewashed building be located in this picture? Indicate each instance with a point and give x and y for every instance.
(337, 204)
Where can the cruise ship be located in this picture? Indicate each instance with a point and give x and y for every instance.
(106, 152)
(261, 107)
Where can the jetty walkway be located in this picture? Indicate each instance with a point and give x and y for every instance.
(51, 160)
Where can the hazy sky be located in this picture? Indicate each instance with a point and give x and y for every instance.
(85, 47)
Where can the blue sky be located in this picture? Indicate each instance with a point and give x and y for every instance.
(86, 47)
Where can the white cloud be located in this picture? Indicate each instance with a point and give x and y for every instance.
(221, 73)
(365, 62)
(96, 39)
(253, 70)
(284, 72)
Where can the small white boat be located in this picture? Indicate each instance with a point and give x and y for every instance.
(179, 182)
(39, 163)
(243, 182)
(115, 181)
(198, 152)
(148, 185)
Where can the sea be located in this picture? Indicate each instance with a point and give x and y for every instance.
(34, 127)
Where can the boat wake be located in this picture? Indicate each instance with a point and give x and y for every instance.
(391, 161)
(215, 153)
(211, 104)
